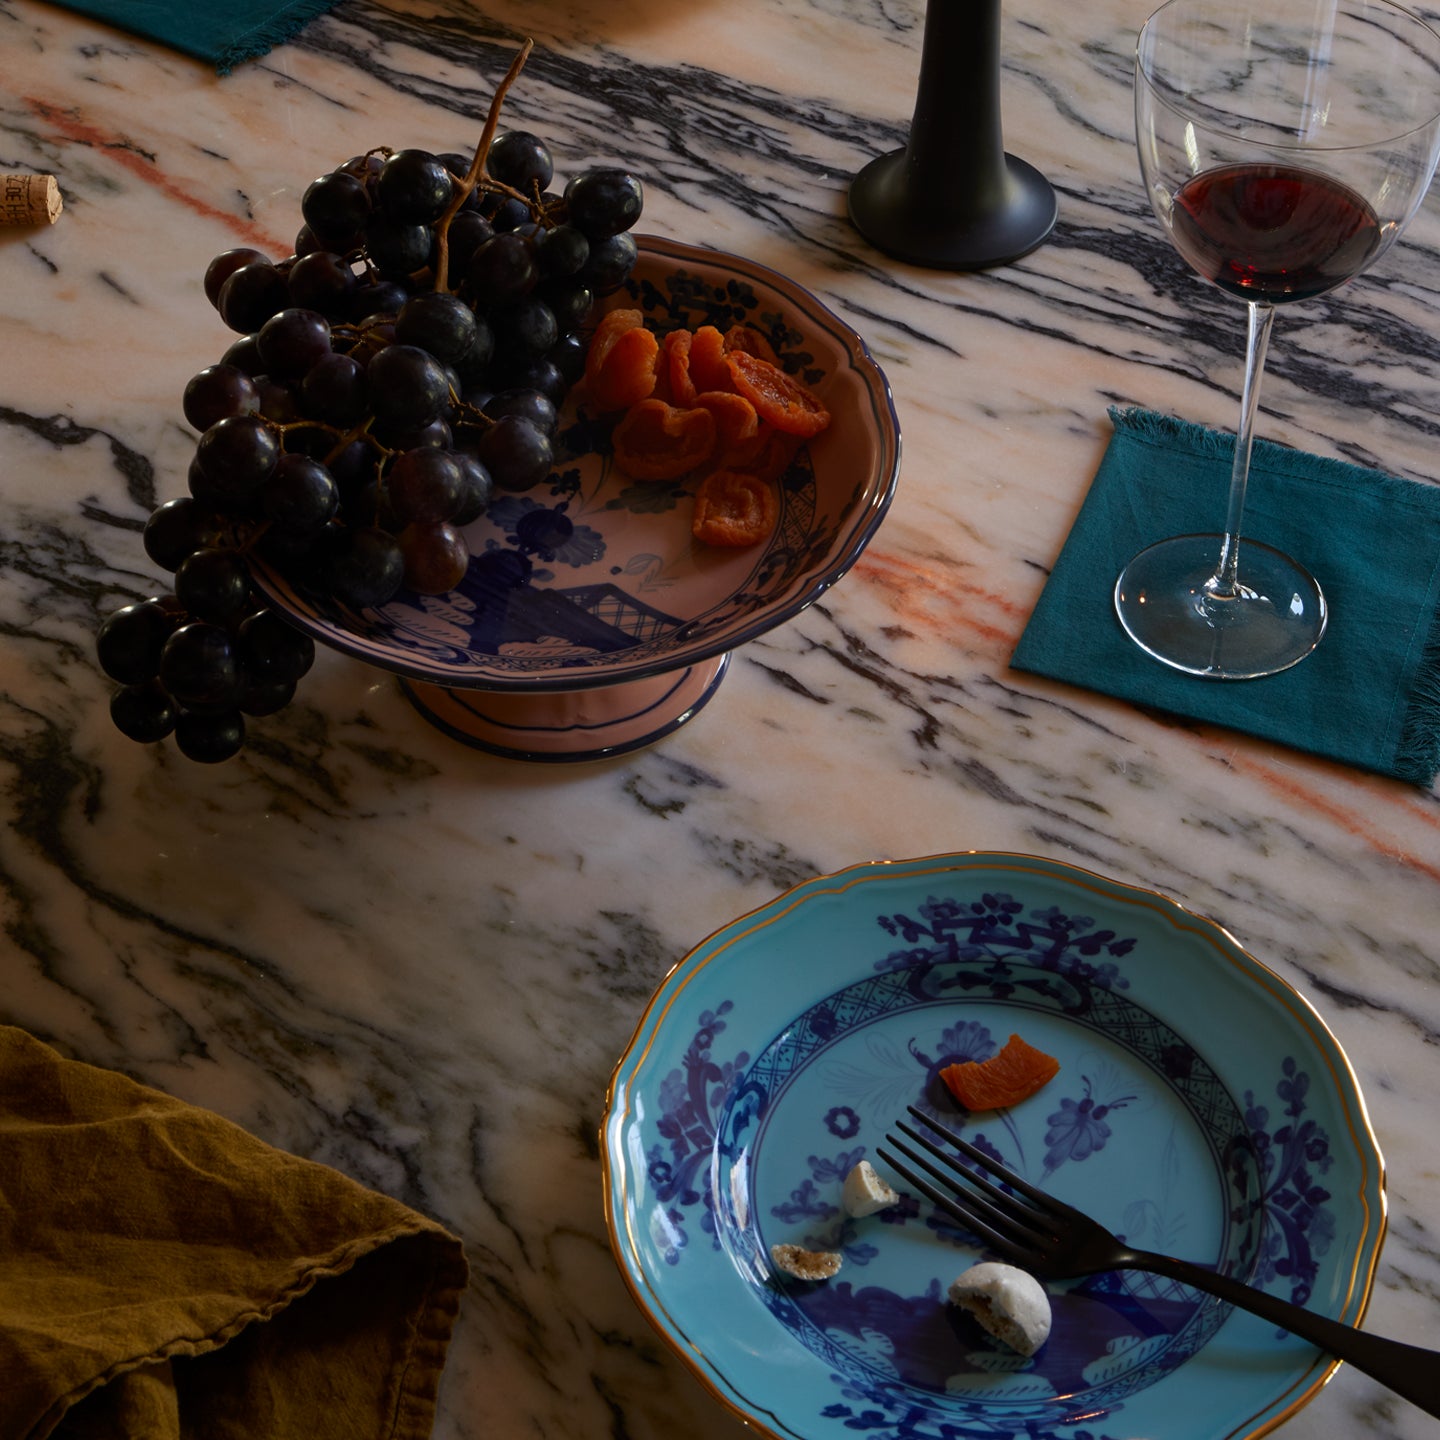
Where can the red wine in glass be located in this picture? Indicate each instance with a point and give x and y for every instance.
(1273, 233)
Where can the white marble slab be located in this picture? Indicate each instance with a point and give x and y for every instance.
(419, 963)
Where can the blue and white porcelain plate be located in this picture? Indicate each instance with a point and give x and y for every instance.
(1202, 1108)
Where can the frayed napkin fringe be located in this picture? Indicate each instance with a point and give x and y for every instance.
(1152, 428)
(279, 29)
(1418, 754)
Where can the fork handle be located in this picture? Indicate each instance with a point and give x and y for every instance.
(1408, 1370)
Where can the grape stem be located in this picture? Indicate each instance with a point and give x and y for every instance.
(477, 165)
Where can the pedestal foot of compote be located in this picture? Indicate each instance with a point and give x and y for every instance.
(1167, 605)
(565, 726)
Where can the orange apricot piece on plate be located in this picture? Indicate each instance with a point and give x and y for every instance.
(787, 403)
(734, 509)
(707, 360)
(675, 366)
(1012, 1074)
(656, 441)
(751, 341)
(625, 373)
(735, 417)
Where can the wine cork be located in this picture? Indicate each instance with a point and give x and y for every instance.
(29, 200)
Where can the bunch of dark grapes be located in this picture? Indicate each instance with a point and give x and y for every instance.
(409, 359)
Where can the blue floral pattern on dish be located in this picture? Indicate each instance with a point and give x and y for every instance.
(888, 1349)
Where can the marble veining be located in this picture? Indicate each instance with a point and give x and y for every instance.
(419, 963)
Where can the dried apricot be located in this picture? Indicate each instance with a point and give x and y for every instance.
(625, 373)
(707, 360)
(787, 403)
(767, 453)
(751, 341)
(735, 417)
(675, 365)
(656, 441)
(1012, 1074)
(734, 509)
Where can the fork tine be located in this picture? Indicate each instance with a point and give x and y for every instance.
(979, 1204)
(952, 1167)
(979, 1157)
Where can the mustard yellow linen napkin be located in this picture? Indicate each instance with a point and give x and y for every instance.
(166, 1276)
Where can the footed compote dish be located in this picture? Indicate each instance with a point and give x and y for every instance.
(590, 621)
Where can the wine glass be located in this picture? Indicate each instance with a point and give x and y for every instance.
(1284, 144)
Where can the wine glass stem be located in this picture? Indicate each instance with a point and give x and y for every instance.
(1224, 584)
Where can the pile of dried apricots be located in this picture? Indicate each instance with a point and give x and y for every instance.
(703, 403)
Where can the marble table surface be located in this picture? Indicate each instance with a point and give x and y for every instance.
(419, 963)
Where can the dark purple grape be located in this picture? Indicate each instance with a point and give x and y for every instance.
(435, 557)
(279, 403)
(610, 263)
(216, 392)
(377, 297)
(325, 282)
(198, 667)
(306, 243)
(468, 231)
(273, 649)
(508, 214)
(521, 160)
(129, 642)
(570, 301)
(413, 186)
(544, 375)
(244, 355)
(336, 207)
(365, 568)
(476, 488)
(364, 167)
(502, 270)
(562, 251)
(334, 391)
(567, 355)
(236, 454)
(214, 585)
(143, 712)
(442, 324)
(516, 452)
(292, 341)
(299, 494)
(525, 329)
(398, 247)
(177, 528)
(209, 739)
(602, 203)
(532, 404)
(432, 435)
(407, 386)
(266, 697)
(224, 265)
(471, 365)
(424, 487)
(251, 295)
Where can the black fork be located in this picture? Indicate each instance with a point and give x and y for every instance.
(1043, 1235)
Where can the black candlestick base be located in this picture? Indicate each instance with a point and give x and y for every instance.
(927, 228)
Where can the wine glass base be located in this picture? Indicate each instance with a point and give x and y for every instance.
(1275, 620)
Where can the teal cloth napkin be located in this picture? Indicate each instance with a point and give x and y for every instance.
(1368, 696)
(224, 32)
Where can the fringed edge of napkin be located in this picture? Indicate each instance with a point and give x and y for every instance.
(1417, 755)
(280, 28)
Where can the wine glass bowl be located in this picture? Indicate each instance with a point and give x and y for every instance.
(1283, 144)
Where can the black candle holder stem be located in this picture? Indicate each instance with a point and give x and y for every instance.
(952, 199)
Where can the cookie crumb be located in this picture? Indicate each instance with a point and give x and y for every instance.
(806, 1264)
(865, 1192)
